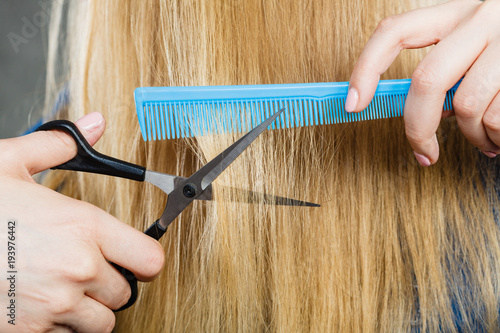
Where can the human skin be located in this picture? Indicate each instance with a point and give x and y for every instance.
(64, 244)
(64, 281)
(467, 38)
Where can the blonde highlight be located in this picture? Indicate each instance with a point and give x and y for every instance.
(393, 245)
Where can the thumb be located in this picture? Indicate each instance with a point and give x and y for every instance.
(46, 149)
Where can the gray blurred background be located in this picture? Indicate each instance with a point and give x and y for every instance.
(23, 43)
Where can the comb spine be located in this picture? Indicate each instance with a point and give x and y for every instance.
(244, 106)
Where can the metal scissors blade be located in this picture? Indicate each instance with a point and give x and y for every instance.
(196, 187)
(257, 197)
(167, 183)
(193, 187)
(209, 172)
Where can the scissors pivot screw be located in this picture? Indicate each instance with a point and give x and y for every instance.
(189, 190)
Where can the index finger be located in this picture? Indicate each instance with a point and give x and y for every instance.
(414, 29)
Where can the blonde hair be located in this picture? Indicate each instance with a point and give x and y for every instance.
(394, 246)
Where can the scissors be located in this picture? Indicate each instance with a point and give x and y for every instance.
(181, 191)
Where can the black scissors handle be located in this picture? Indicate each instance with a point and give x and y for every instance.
(89, 160)
(155, 231)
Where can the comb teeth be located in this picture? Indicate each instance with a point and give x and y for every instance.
(181, 112)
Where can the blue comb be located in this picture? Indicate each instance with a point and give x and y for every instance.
(180, 112)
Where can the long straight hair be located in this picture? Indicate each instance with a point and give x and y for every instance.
(394, 246)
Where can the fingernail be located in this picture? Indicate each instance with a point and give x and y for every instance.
(490, 154)
(424, 161)
(90, 121)
(352, 100)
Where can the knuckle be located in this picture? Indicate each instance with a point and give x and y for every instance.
(155, 260)
(491, 121)
(125, 294)
(387, 25)
(92, 216)
(109, 323)
(37, 326)
(466, 106)
(487, 12)
(104, 320)
(416, 136)
(86, 224)
(63, 305)
(84, 271)
(120, 290)
(424, 79)
(63, 140)
(363, 68)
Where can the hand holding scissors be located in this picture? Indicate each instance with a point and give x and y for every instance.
(181, 191)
